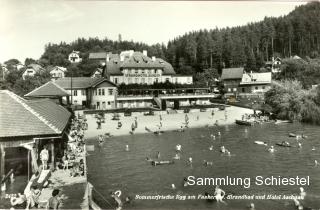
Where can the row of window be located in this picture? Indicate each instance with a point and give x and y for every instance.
(137, 71)
(101, 92)
(243, 89)
(82, 92)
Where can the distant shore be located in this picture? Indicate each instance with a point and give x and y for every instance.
(169, 121)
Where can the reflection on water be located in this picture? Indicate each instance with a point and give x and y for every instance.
(112, 168)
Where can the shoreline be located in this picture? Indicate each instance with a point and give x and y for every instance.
(170, 122)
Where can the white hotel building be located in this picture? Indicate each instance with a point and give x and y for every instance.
(106, 92)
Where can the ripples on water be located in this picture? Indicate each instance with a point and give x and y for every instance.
(112, 168)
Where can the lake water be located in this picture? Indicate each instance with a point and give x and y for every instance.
(111, 168)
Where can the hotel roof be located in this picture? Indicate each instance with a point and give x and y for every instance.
(49, 89)
(20, 117)
(77, 82)
(137, 60)
(232, 73)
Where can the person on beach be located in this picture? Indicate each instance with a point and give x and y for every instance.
(18, 200)
(119, 125)
(197, 117)
(65, 161)
(133, 127)
(136, 122)
(212, 113)
(44, 157)
(100, 140)
(216, 123)
(54, 202)
(219, 194)
(99, 124)
(160, 117)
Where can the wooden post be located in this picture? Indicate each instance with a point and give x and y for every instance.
(2, 161)
(52, 154)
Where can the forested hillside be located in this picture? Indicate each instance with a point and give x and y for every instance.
(297, 33)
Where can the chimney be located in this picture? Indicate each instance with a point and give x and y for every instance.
(121, 57)
(145, 53)
(108, 58)
(153, 58)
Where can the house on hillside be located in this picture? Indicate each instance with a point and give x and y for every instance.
(31, 70)
(255, 83)
(57, 72)
(97, 73)
(274, 65)
(231, 78)
(74, 57)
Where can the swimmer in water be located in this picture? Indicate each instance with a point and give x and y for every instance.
(173, 187)
(190, 160)
(313, 149)
(299, 145)
(213, 137)
(127, 147)
(251, 206)
(271, 149)
(178, 147)
(176, 157)
(302, 193)
(158, 155)
(297, 204)
(207, 163)
(246, 130)
(219, 194)
(116, 195)
(219, 134)
(185, 182)
(228, 153)
(222, 149)
(316, 163)
(211, 148)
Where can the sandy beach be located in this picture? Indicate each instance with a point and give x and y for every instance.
(169, 121)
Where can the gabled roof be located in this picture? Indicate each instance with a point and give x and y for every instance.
(138, 60)
(256, 78)
(101, 80)
(20, 117)
(232, 73)
(49, 89)
(58, 68)
(77, 82)
(35, 67)
(98, 55)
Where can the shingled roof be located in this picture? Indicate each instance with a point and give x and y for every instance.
(232, 73)
(98, 55)
(137, 60)
(77, 82)
(50, 89)
(20, 117)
